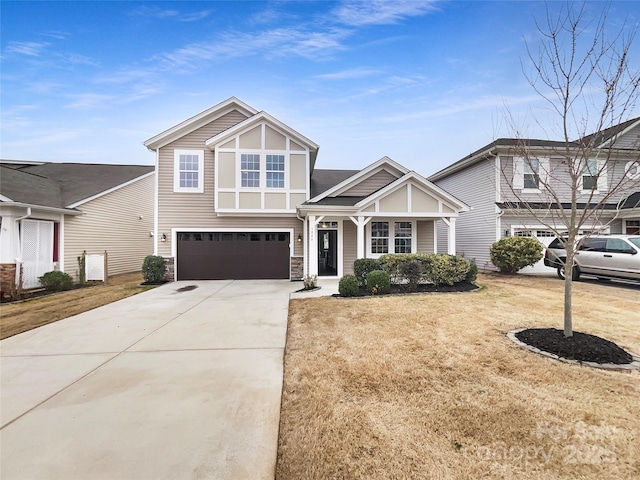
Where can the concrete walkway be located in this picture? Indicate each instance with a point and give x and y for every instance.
(173, 383)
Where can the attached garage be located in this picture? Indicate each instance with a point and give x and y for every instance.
(233, 255)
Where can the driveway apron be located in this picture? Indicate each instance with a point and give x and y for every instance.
(180, 382)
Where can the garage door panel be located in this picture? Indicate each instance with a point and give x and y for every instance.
(220, 256)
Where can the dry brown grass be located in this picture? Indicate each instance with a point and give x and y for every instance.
(428, 386)
(23, 316)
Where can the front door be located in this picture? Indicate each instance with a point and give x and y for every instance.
(327, 253)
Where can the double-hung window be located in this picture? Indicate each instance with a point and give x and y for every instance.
(379, 237)
(250, 169)
(275, 171)
(383, 232)
(531, 173)
(402, 242)
(188, 172)
(590, 175)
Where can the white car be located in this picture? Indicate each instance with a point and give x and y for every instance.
(605, 256)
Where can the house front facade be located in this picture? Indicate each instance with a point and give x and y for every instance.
(238, 196)
(51, 213)
(502, 181)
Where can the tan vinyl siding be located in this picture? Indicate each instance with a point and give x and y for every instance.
(476, 230)
(425, 236)
(349, 234)
(112, 222)
(370, 185)
(395, 201)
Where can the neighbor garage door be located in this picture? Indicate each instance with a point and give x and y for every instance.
(240, 256)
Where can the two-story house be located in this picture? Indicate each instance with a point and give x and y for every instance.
(238, 196)
(501, 179)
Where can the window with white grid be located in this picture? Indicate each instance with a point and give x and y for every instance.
(275, 171)
(188, 171)
(250, 170)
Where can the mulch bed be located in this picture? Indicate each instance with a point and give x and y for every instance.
(422, 288)
(581, 346)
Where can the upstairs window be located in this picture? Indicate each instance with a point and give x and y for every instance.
(250, 170)
(594, 176)
(531, 173)
(275, 171)
(188, 173)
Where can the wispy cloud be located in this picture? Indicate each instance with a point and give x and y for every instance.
(164, 13)
(58, 35)
(77, 59)
(381, 12)
(349, 74)
(93, 101)
(31, 49)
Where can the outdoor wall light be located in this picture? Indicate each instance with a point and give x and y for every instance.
(164, 237)
(299, 238)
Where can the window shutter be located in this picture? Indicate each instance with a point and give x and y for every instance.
(603, 183)
(518, 173)
(543, 173)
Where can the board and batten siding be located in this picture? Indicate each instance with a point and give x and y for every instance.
(476, 230)
(119, 222)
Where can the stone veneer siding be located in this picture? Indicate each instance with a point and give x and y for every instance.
(8, 279)
(170, 276)
(297, 268)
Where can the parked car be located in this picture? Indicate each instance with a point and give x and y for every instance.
(605, 256)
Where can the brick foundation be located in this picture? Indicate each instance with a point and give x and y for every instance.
(170, 276)
(297, 268)
(8, 286)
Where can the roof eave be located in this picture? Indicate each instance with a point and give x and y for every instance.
(66, 211)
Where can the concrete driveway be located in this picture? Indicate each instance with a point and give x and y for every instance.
(180, 382)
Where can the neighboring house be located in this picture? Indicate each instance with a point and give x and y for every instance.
(238, 196)
(486, 180)
(52, 212)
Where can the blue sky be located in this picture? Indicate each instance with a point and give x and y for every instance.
(425, 83)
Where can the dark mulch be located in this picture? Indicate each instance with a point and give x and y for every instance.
(581, 346)
(162, 282)
(422, 288)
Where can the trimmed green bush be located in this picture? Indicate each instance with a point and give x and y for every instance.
(348, 286)
(447, 269)
(362, 267)
(514, 253)
(154, 269)
(472, 274)
(392, 262)
(56, 281)
(378, 282)
(411, 272)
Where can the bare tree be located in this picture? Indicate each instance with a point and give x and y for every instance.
(585, 78)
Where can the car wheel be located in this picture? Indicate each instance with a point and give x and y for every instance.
(575, 274)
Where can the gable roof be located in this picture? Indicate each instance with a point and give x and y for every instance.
(199, 120)
(323, 180)
(489, 150)
(65, 185)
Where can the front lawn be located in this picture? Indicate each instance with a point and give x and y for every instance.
(429, 386)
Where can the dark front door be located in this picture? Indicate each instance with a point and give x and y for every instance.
(327, 253)
(238, 256)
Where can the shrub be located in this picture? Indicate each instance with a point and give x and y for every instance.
(472, 274)
(412, 272)
(310, 282)
(392, 262)
(513, 253)
(362, 267)
(447, 269)
(378, 282)
(154, 269)
(56, 281)
(348, 286)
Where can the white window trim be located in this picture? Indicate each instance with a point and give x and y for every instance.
(176, 171)
(518, 174)
(392, 237)
(602, 186)
(263, 172)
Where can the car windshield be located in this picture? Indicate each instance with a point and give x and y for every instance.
(635, 241)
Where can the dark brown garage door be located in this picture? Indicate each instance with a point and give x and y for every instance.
(238, 256)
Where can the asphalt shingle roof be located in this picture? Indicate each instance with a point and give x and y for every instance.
(62, 184)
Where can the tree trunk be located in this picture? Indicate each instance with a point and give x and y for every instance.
(568, 322)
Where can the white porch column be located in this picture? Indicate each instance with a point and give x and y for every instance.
(8, 239)
(313, 246)
(451, 249)
(360, 222)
